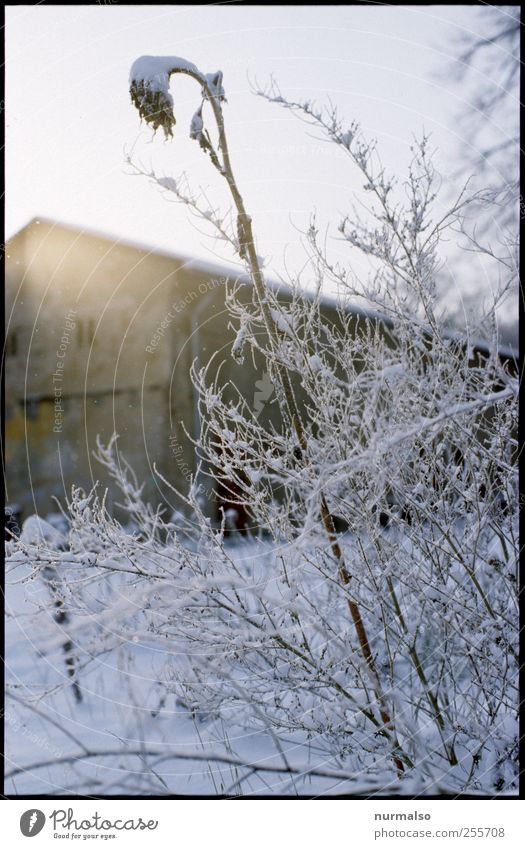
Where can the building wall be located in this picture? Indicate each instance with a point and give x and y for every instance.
(100, 337)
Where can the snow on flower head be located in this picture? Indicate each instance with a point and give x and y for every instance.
(215, 84)
(196, 125)
(149, 84)
(155, 107)
(149, 88)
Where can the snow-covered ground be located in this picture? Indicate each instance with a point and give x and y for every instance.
(142, 666)
(125, 708)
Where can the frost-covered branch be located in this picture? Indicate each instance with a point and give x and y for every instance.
(371, 619)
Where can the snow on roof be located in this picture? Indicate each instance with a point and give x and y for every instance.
(213, 269)
(206, 266)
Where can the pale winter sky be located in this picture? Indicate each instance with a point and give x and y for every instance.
(70, 121)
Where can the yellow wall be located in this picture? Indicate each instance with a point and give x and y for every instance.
(64, 287)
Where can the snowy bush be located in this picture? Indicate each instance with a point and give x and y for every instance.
(389, 649)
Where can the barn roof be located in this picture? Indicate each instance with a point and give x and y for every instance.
(506, 352)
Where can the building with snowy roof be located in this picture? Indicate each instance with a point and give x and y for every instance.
(101, 335)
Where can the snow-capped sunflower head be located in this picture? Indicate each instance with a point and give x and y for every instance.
(154, 105)
(149, 88)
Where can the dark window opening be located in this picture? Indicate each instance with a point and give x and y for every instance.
(11, 344)
(31, 407)
(86, 329)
